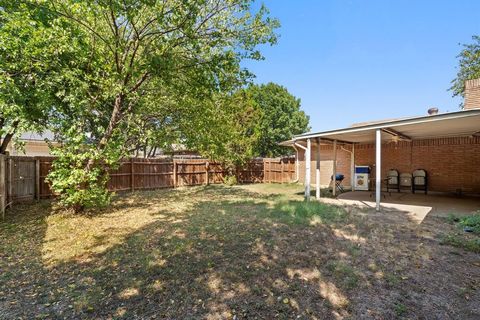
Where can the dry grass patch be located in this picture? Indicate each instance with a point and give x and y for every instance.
(220, 252)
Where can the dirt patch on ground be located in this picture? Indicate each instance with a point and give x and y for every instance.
(231, 253)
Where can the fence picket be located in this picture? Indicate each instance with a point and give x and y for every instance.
(23, 178)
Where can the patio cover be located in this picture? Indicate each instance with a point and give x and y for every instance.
(452, 124)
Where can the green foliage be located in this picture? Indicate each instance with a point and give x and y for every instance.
(392, 279)
(230, 180)
(79, 184)
(343, 273)
(129, 73)
(400, 309)
(465, 240)
(281, 118)
(452, 218)
(458, 241)
(30, 51)
(310, 211)
(472, 221)
(230, 132)
(468, 66)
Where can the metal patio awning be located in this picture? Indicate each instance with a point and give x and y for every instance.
(460, 123)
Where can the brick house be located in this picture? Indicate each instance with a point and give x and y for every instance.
(445, 145)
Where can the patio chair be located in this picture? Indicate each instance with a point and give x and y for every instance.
(338, 181)
(405, 181)
(419, 180)
(393, 181)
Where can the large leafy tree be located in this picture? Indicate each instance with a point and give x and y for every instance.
(468, 67)
(135, 60)
(29, 56)
(227, 130)
(281, 118)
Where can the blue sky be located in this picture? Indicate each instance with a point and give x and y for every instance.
(360, 60)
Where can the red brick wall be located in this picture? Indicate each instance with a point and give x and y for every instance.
(472, 94)
(326, 164)
(451, 163)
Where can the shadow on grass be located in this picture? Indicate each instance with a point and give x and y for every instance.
(208, 252)
(324, 193)
(219, 258)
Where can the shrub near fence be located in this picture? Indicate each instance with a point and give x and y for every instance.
(23, 178)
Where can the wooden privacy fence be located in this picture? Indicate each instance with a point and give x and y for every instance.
(23, 178)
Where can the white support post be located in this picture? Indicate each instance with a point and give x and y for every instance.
(307, 169)
(317, 172)
(352, 168)
(334, 175)
(378, 171)
(297, 164)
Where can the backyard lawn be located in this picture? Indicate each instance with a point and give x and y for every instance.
(243, 252)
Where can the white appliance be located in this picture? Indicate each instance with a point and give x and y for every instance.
(362, 177)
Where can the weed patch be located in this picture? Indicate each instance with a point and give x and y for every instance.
(400, 309)
(472, 222)
(217, 252)
(344, 274)
(470, 240)
(310, 212)
(460, 241)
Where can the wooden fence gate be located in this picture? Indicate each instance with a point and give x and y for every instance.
(21, 179)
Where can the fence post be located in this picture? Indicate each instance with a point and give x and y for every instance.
(270, 171)
(282, 169)
(2, 185)
(37, 179)
(174, 173)
(132, 174)
(10, 183)
(206, 172)
(264, 171)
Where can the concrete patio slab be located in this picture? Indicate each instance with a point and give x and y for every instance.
(416, 206)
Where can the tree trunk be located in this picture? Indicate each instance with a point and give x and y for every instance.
(6, 140)
(116, 113)
(152, 152)
(8, 137)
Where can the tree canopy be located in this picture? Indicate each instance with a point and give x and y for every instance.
(125, 70)
(28, 60)
(468, 66)
(281, 118)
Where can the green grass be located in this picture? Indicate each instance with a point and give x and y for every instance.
(472, 222)
(400, 309)
(460, 241)
(469, 241)
(393, 279)
(209, 252)
(343, 274)
(178, 245)
(309, 212)
(452, 218)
